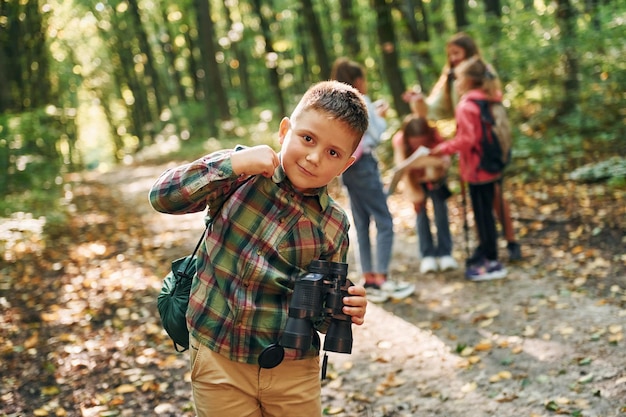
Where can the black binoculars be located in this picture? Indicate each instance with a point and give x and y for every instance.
(317, 295)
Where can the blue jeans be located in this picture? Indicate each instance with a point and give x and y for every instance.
(368, 201)
(427, 246)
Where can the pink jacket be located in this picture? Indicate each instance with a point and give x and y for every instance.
(466, 142)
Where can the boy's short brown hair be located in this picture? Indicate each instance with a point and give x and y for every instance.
(340, 101)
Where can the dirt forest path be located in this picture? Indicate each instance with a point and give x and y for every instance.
(546, 341)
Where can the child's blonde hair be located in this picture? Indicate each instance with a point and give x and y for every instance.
(480, 75)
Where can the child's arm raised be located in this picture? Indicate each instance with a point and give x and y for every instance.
(258, 160)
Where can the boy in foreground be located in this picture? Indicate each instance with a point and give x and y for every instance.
(268, 231)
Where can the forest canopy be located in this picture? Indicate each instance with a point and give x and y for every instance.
(92, 84)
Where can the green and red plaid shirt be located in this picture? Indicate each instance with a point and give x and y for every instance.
(264, 236)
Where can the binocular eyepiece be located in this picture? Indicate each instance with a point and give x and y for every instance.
(317, 295)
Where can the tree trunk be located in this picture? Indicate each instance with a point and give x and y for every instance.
(460, 15)
(37, 69)
(420, 56)
(139, 110)
(152, 80)
(492, 7)
(271, 57)
(388, 47)
(192, 63)
(566, 20)
(170, 53)
(437, 18)
(303, 46)
(314, 29)
(241, 58)
(6, 100)
(349, 24)
(214, 93)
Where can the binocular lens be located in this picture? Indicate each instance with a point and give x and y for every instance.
(297, 334)
(339, 337)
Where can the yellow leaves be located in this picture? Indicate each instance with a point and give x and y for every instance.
(32, 341)
(332, 411)
(616, 334)
(483, 346)
(502, 375)
(391, 381)
(50, 391)
(125, 389)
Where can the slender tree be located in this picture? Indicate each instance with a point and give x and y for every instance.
(319, 46)
(237, 31)
(214, 93)
(389, 50)
(170, 53)
(418, 35)
(349, 28)
(566, 20)
(460, 14)
(271, 57)
(152, 80)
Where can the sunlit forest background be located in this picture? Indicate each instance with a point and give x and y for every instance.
(88, 84)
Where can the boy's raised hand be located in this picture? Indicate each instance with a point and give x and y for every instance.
(257, 160)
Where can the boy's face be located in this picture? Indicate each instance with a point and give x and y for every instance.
(315, 149)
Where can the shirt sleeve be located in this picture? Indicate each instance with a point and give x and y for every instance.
(465, 139)
(439, 101)
(195, 186)
(376, 127)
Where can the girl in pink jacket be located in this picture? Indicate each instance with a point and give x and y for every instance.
(475, 80)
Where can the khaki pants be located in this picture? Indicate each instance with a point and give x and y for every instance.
(223, 388)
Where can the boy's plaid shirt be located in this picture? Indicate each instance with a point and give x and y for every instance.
(265, 236)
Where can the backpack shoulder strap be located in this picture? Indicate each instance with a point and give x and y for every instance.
(485, 110)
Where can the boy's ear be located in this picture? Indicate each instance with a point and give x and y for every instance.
(283, 128)
(351, 161)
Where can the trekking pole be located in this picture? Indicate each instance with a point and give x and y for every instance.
(465, 225)
(503, 221)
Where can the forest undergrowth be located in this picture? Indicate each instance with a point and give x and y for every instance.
(80, 335)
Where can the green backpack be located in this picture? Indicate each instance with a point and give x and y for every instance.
(173, 299)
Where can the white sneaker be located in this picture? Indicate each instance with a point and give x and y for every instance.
(398, 290)
(447, 263)
(428, 264)
(376, 295)
(390, 290)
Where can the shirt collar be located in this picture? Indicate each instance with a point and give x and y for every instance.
(321, 193)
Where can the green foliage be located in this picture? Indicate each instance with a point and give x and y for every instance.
(527, 51)
(39, 202)
(610, 169)
(32, 150)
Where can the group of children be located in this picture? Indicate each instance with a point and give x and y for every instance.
(464, 78)
(277, 217)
